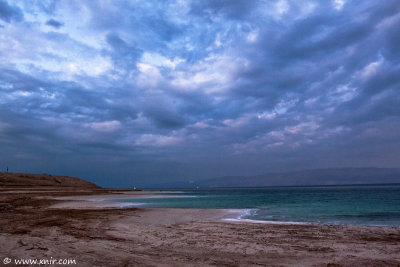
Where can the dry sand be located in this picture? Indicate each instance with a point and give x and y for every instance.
(49, 223)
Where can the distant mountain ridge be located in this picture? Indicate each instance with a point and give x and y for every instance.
(332, 176)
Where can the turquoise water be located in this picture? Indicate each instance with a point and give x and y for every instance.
(355, 205)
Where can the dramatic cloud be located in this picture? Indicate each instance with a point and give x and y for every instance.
(8, 12)
(135, 93)
(54, 23)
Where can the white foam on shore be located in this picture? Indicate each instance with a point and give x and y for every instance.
(168, 192)
(130, 205)
(265, 222)
(242, 213)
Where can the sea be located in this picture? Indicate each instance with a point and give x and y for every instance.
(377, 205)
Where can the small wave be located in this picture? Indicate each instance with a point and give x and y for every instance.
(131, 205)
(239, 214)
(247, 213)
(169, 192)
(265, 222)
(244, 215)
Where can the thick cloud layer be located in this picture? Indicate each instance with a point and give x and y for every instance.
(134, 93)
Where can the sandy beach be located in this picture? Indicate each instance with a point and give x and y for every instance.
(80, 224)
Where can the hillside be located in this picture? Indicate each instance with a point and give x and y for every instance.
(32, 180)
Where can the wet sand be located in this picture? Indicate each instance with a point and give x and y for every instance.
(104, 200)
(63, 223)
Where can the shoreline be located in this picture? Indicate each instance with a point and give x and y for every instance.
(112, 236)
(226, 215)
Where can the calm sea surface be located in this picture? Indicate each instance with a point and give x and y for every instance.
(357, 205)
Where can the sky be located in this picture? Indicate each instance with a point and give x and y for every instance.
(126, 93)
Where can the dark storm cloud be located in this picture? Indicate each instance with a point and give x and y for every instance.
(8, 12)
(165, 118)
(54, 23)
(123, 54)
(302, 40)
(393, 41)
(236, 9)
(153, 91)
